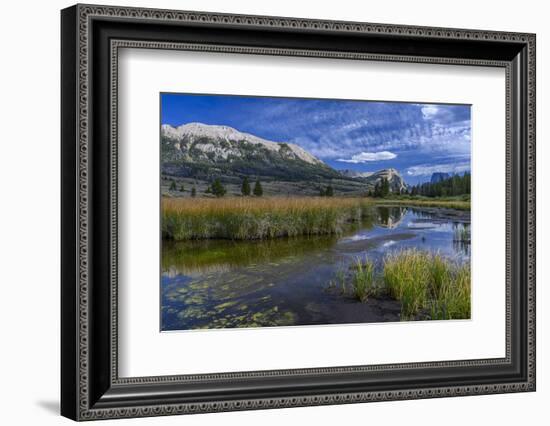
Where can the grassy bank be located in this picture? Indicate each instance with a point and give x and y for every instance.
(247, 218)
(426, 284)
(444, 202)
(250, 218)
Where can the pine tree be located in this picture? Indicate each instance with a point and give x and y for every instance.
(329, 191)
(258, 190)
(452, 186)
(218, 189)
(182, 188)
(377, 192)
(193, 192)
(322, 192)
(245, 187)
(384, 188)
(173, 185)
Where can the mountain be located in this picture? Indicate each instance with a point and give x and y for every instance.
(439, 176)
(202, 151)
(397, 183)
(354, 173)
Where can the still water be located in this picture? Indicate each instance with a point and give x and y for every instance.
(283, 282)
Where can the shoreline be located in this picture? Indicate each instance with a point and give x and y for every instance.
(262, 218)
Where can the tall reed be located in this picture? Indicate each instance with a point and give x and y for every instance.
(461, 233)
(426, 282)
(363, 279)
(245, 218)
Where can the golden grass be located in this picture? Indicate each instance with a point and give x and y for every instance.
(242, 218)
(255, 204)
(250, 218)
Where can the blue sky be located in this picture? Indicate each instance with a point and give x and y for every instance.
(416, 139)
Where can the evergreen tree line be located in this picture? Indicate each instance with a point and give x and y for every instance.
(217, 188)
(258, 191)
(381, 189)
(173, 187)
(455, 185)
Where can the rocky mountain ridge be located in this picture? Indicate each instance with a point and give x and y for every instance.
(201, 151)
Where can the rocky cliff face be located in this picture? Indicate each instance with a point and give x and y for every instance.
(197, 148)
(355, 174)
(397, 183)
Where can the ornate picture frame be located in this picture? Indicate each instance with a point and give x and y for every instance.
(91, 37)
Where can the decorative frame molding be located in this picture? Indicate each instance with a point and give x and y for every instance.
(91, 37)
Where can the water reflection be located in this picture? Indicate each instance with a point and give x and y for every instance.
(390, 217)
(208, 256)
(221, 284)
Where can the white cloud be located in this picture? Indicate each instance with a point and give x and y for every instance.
(363, 157)
(427, 170)
(429, 111)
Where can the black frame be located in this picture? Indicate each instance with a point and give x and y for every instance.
(91, 37)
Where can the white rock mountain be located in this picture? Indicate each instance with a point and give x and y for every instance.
(203, 151)
(397, 183)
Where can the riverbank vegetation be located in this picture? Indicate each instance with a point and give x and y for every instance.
(457, 202)
(462, 234)
(427, 282)
(252, 218)
(428, 285)
(246, 218)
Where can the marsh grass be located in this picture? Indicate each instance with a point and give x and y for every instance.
(341, 279)
(249, 218)
(461, 234)
(363, 280)
(422, 282)
(245, 218)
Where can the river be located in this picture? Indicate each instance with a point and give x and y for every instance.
(285, 282)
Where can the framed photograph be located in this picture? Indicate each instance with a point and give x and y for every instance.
(263, 212)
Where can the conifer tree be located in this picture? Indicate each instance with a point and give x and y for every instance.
(217, 188)
(384, 188)
(245, 187)
(258, 190)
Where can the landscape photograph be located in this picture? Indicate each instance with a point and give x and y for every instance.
(305, 212)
